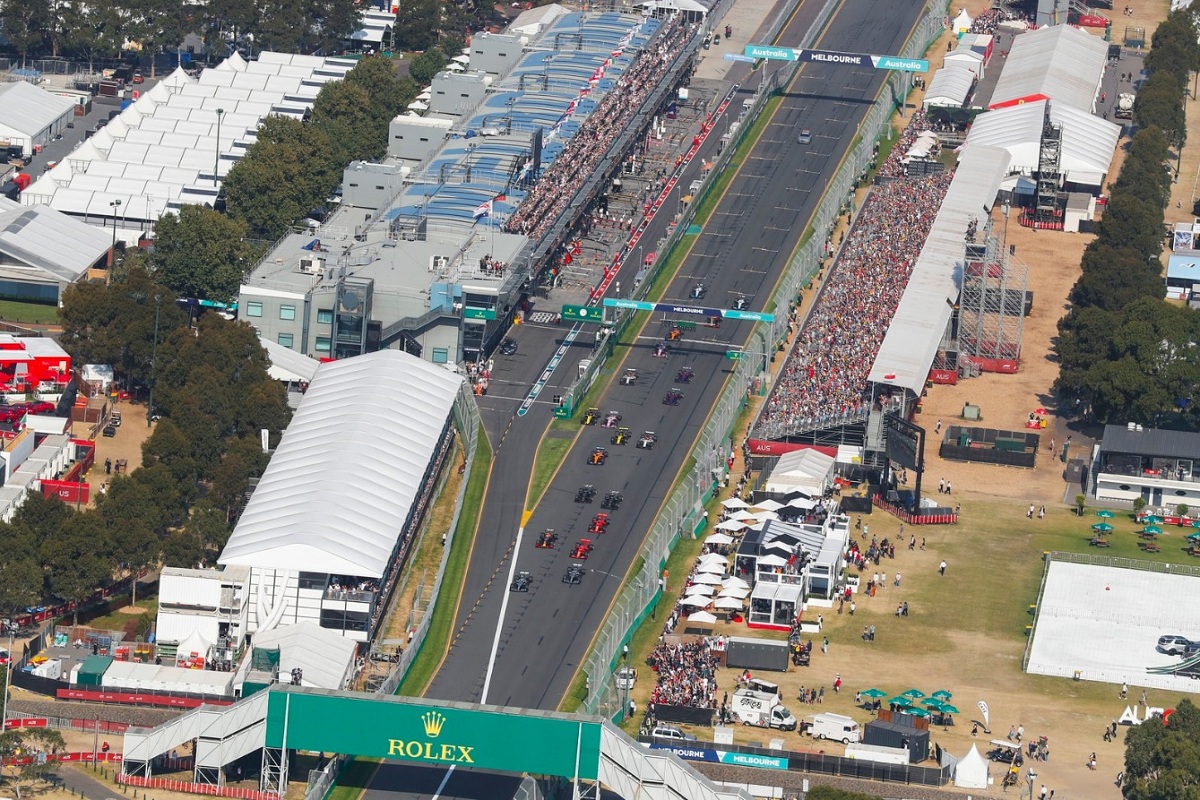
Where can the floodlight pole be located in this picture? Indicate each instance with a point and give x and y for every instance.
(153, 359)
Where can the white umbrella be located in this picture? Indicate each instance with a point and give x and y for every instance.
(719, 538)
(695, 602)
(741, 515)
(708, 579)
(772, 561)
(737, 594)
(758, 526)
(734, 583)
(728, 602)
(710, 569)
(425, 94)
(735, 502)
(417, 105)
(700, 590)
(763, 516)
(769, 505)
(462, 59)
(730, 525)
(713, 558)
(702, 617)
(802, 503)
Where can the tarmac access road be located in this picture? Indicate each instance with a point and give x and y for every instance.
(546, 632)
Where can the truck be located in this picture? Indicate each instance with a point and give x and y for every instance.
(877, 753)
(762, 709)
(838, 727)
(1124, 108)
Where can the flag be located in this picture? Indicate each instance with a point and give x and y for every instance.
(983, 709)
(500, 198)
(483, 210)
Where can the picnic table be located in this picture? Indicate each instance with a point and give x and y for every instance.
(1194, 550)
(1150, 547)
(1097, 541)
(1149, 537)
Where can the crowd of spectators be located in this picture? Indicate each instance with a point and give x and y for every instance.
(552, 194)
(989, 21)
(686, 675)
(824, 381)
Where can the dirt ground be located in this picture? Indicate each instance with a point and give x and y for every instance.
(127, 444)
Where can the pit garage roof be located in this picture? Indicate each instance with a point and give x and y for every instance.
(28, 110)
(41, 238)
(951, 86)
(349, 468)
(1058, 63)
(1088, 142)
(920, 320)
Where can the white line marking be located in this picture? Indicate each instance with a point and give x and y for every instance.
(445, 780)
(512, 568)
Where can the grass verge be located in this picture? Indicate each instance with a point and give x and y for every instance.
(433, 648)
(28, 313)
(353, 780)
(550, 455)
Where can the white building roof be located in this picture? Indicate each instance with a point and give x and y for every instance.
(48, 242)
(1088, 142)
(346, 474)
(325, 657)
(951, 86)
(26, 109)
(287, 364)
(916, 330)
(535, 20)
(1059, 63)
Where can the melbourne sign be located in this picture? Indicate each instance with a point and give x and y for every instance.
(723, 756)
(431, 733)
(864, 60)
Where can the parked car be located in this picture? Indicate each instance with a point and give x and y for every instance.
(110, 431)
(1174, 645)
(671, 734)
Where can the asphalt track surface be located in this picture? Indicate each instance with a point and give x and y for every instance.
(744, 248)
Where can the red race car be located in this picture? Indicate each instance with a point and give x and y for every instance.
(582, 550)
(599, 523)
(546, 539)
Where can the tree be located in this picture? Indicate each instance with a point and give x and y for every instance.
(92, 30)
(39, 742)
(26, 25)
(1130, 222)
(156, 25)
(21, 583)
(286, 172)
(1162, 759)
(343, 113)
(426, 65)
(77, 559)
(417, 25)
(1159, 104)
(135, 547)
(201, 253)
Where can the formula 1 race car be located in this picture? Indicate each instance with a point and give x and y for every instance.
(591, 417)
(582, 550)
(622, 436)
(675, 335)
(648, 440)
(685, 375)
(740, 303)
(598, 456)
(611, 419)
(661, 350)
(698, 292)
(629, 378)
(612, 500)
(546, 539)
(673, 397)
(575, 574)
(599, 523)
(521, 582)
(585, 494)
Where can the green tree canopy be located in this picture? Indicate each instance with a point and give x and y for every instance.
(426, 65)
(1159, 104)
(1113, 277)
(1162, 761)
(201, 253)
(417, 25)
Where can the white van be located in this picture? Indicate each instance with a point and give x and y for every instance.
(835, 726)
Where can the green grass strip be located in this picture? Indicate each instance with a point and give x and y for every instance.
(28, 313)
(433, 647)
(549, 455)
(354, 779)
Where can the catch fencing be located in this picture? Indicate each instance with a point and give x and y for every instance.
(683, 512)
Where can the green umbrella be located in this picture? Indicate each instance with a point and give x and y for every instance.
(901, 701)
(1152, 519)
(1196, 523)
(948, 709)
(874, 693)
(933, 703)
(1152, 529)
(1104, 513)
(943, 694)
(1102, 527)
(917, 712)
(913, 694)
(1194, 536)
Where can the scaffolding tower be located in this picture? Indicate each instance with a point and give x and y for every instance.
(1049, 177)
(992, 308)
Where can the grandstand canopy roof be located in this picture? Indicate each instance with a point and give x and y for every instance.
(1058, 63)
(951, 86)
(349, 468)
(42, 239)
(1088, 142)
(28, 110)
(916, 331)
(326, 657)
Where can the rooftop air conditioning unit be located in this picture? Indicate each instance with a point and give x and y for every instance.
(312, 265)
(439, 262)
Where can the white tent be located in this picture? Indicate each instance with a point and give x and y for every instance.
(195, 643)
(735, 502)
(962, 23)
(1058, 63)
(714, 558)
(708, 579)
(772, 560)
(805, 470)
(1088, 142)
(741, 514)
(702, 617)
(462, 59)
(971, 772)
(729, 525)
(695, 602)
(737, 594)
(727, 602)
(965, 58)
(711, 569)
(720, 538)
(734, 583)
(769, 505)
(417, 105)
(700, 590)
(802, 503)
(951, 86)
